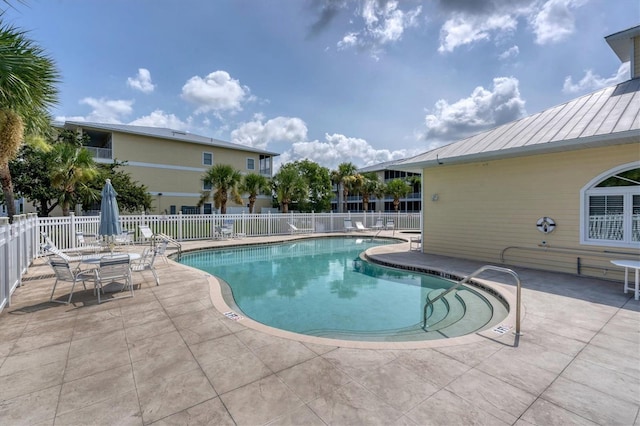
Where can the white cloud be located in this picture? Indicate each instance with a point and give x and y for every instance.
(592, 81)
(467, 29)
(107, 110)
(257, 134)
(217, 92)
(142, 81)
(159, 118)
(482, 110)
(554, 21)
(384, 23)
(511, 52)
(338, 148)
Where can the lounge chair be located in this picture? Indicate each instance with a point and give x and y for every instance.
(296, 230)
(390, 225)
(348, 227)
(360, 227)
(379, 224)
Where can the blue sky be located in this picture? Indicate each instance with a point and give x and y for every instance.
(364, 81)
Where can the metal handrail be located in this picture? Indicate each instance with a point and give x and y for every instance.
(170, 240)
(473, 275)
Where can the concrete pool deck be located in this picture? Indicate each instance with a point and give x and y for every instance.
(168, 356)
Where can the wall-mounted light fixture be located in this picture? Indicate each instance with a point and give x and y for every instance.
(435, 197)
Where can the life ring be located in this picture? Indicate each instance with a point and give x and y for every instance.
(545, 225)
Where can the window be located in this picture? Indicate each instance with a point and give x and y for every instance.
(251, 164)
(207, 208)
(207, 186)
(611, 208)
(207, 159)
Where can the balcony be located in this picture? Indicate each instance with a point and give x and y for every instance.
(100, 153)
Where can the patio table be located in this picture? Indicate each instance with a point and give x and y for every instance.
(95, 260)
(633, 264)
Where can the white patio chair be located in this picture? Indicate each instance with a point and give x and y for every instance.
(360, 227)
(161, 248)
(113, 268)
(63, 272)
(348, 227)
(415, 241)
(145, 263)
(390, 225)
(83, 244)
(379, 224)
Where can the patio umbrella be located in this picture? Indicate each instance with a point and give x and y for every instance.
(109, 215)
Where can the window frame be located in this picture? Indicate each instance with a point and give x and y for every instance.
(204, 163)
(627, 192)
(253, 160)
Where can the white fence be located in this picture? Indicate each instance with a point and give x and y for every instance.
(20, 241)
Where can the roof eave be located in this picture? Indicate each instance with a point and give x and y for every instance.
(620, 138)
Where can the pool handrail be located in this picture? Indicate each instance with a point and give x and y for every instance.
(467, 279)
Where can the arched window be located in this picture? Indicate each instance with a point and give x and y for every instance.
(611, 208)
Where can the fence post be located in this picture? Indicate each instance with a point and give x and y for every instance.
(180, 222)
(5, 253)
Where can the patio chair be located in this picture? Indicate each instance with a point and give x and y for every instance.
(379, 224)
(295, 230)
(51, 249)
(223, 232)
(360, 227)
(390, 225)
(161, 248)
(83, 244)
(348, 227)
(63, 272)
(415, 241)
(124, 238)
(145, 263)
(146, 232)
(112, 269)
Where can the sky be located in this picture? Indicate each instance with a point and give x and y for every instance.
(332, 81)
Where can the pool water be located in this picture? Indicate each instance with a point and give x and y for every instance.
(321, 287)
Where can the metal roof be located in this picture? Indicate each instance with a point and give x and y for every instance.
(609, 116)
(387, 165)
(164, 133)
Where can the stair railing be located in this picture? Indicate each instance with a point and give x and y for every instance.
(467, 279)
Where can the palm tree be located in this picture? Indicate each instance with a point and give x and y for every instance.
(72, 172)
(397, 188)
(289, 186)
(28, 81)
(254, 184)
(371, 186)
(225, 180)
(343, 177)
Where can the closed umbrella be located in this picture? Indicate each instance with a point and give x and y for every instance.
(109, 214)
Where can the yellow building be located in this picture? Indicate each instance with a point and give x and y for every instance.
(171, 163)
(558, 190)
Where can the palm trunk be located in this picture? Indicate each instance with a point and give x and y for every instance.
(7, 188)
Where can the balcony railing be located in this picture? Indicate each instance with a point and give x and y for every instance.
(102, 153)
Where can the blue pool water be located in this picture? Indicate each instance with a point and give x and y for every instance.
(320, 287)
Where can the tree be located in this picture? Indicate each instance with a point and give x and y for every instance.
(371, 186)
(31, 172)
(224, 181)
(343, 177)
(254, 184)
(397, 188)
(318, 182)
(288, 186)
(28, 81)
(73, 170)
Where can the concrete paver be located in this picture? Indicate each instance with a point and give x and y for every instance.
(168, 356)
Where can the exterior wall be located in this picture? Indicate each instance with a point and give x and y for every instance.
(635, 60)
(174, 168)
(486, 207)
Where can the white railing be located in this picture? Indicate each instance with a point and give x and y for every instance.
(18, 248)
(611, 227)
(20, 241)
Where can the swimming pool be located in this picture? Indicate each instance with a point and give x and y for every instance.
(321, 287)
